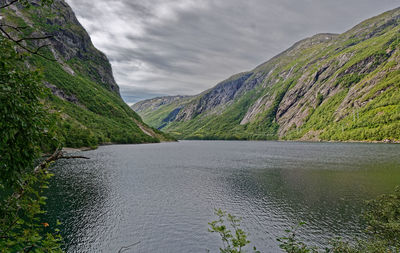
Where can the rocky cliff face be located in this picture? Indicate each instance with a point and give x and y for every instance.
(70, 41)
(329, 86)
(85, 97)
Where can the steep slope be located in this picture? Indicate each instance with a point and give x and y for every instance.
(160, 111)
(327, 87)
(84, 96)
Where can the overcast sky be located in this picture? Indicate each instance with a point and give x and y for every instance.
(170, 47)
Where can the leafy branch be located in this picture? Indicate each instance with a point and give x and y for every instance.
(19, 212)
(234, 239)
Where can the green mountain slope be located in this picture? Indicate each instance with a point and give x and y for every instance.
(327, 87)
(84, 97)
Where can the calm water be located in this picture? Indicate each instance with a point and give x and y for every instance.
(163, 195)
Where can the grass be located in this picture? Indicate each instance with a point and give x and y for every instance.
(100, 116)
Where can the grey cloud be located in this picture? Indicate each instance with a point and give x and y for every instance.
(169, 47)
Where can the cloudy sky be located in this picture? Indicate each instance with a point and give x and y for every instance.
(169, 47)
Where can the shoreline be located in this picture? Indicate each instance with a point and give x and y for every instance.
(80, 149)
(310, 141)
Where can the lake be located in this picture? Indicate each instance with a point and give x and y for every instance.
(162, 196)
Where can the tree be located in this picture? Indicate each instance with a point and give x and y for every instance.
(22, 115)
(24, 127)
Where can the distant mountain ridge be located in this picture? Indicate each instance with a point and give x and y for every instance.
(326, 87)
(84, 94)
(155, 103)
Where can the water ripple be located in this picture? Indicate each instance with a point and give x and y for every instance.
(163, 195)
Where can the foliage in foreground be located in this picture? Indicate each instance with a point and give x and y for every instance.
(21, 229)
(26, 130)
(234, 238)
(382, 218)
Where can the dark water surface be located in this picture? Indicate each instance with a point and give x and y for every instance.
(163, 195)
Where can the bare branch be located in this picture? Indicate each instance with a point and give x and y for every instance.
(18, 42)
(57, 155)
(74, 157)
(42, 46)
(17, 28)
(8, 4)
(6, 34)
(34, 38)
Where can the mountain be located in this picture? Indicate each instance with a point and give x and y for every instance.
(161, 110)
(326, 87)
(84, 97)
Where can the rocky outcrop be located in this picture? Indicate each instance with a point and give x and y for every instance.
(70, 42)
(220, 95)
(62, 95)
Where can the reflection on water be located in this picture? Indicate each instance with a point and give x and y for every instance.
(163, 195)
